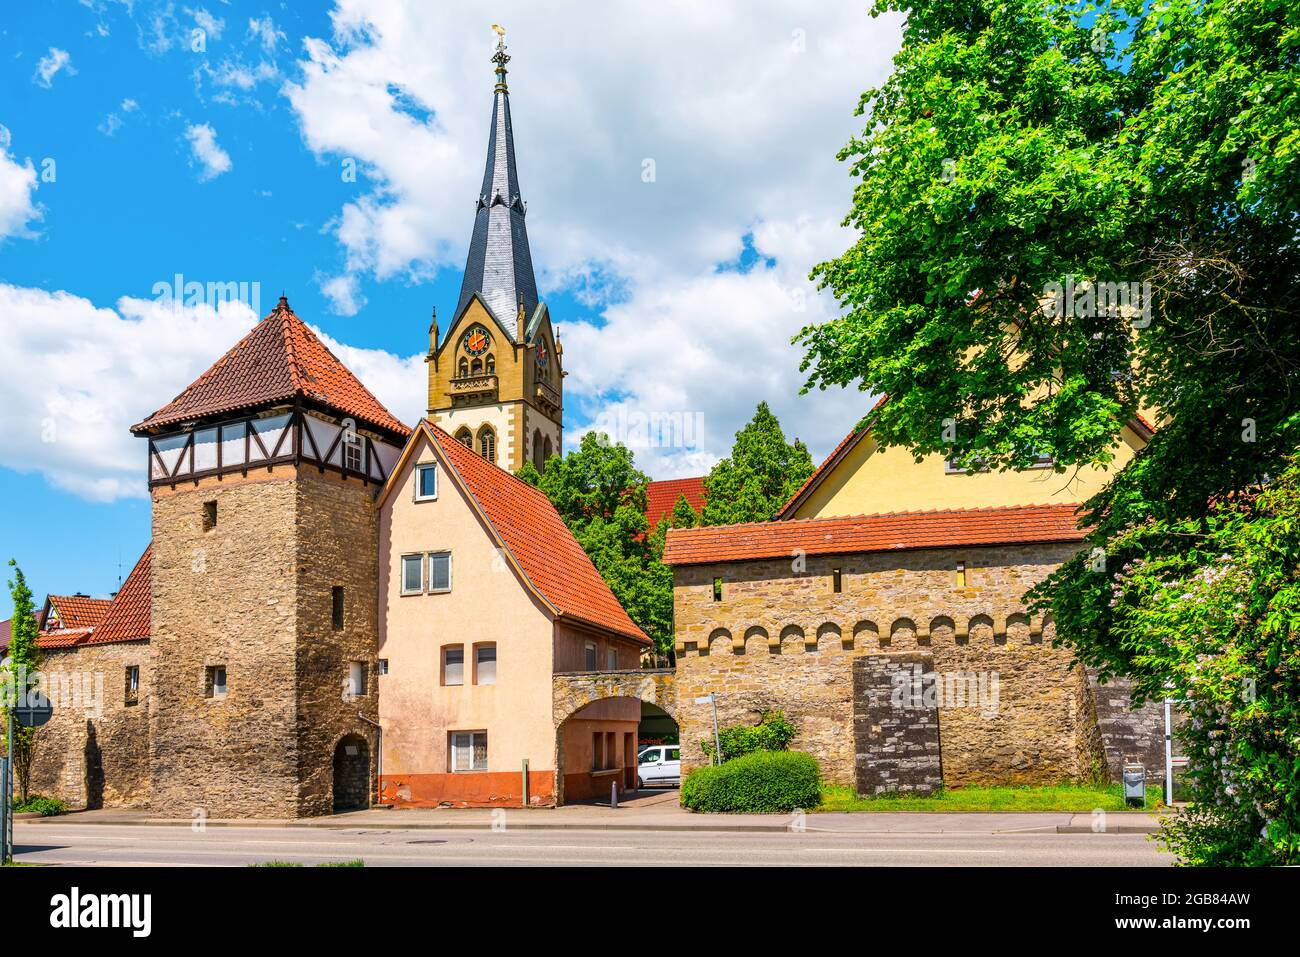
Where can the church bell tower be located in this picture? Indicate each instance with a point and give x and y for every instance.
(495, 377)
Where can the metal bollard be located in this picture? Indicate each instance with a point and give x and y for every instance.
(613, 794)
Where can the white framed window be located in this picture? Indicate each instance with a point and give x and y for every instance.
(439, 571)
(590, 661)
(611, 658)
(485, 664)
(214, 681)
(453, 665)
(383, 666)
(412, 574)
(357, 678)
(132, 684)
(468, 750)
(353, 457)
(426, 482)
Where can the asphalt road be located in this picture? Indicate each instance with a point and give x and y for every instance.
(126, 845)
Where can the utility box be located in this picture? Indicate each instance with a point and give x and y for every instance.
(1135, 785)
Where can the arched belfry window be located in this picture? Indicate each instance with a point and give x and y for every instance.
(538, 461)
(476, 367)
(466, 438)
(487, 443)
(464, 367)
(490, 364)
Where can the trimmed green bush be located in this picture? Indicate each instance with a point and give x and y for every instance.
(771, 782)
(772, 733)
(40, 804)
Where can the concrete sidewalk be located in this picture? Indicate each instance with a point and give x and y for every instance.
(659, 811)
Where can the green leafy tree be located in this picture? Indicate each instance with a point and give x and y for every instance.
(683, 515)
(601, 495)
(24, 659)
(1025, 159)
(758, 477)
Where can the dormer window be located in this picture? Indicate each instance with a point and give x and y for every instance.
(353, 460)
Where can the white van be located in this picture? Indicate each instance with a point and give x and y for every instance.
(659, 764)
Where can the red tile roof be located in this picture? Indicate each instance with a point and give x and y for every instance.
(130, 614)
(661, 496)
(279, 360)
(78, 611)
(63, 638)
(891, 531)
(532, 531)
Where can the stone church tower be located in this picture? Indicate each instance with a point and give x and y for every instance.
(263, 474)
(495, 377)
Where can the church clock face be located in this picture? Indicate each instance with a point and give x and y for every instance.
(477, 341)
(541, 355)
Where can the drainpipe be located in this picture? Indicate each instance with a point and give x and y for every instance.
(379, 757)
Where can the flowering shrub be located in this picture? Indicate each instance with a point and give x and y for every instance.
(1210, 612)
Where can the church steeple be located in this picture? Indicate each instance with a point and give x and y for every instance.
(499, 266)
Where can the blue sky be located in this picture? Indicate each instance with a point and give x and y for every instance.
(133, 149)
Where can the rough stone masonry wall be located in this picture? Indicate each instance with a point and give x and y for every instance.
(338, 544)
(782, 638)
(226, 597)
(1128, 733)
(94, 750)
(897, 748)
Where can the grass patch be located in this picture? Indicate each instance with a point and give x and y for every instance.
(1077, 798)
(355, 862)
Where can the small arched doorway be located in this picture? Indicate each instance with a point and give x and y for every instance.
(351, 774)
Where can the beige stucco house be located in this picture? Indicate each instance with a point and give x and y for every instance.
(484, 596)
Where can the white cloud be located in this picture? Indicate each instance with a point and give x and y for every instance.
(203, 145)
(79, 376)
(741, 107)
(401, 384)
(17, 191)
(344, 294)
(212, 26)
(265, 32)
(113, 121)
(50, 64)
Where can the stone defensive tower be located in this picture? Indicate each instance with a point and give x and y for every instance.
(265, 543)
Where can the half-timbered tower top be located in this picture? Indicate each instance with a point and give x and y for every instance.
(278, 396)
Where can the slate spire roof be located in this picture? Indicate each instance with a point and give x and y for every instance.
(280, 360)
(499, 266)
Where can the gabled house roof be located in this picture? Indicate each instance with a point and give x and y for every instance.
(1144, 429)
(893, 531)
(129, 615)
(75, 611)
(661, 496)
(280, 360)
(530, 531)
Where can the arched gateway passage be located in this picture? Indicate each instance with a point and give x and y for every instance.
(351, 774)
(598, 721)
